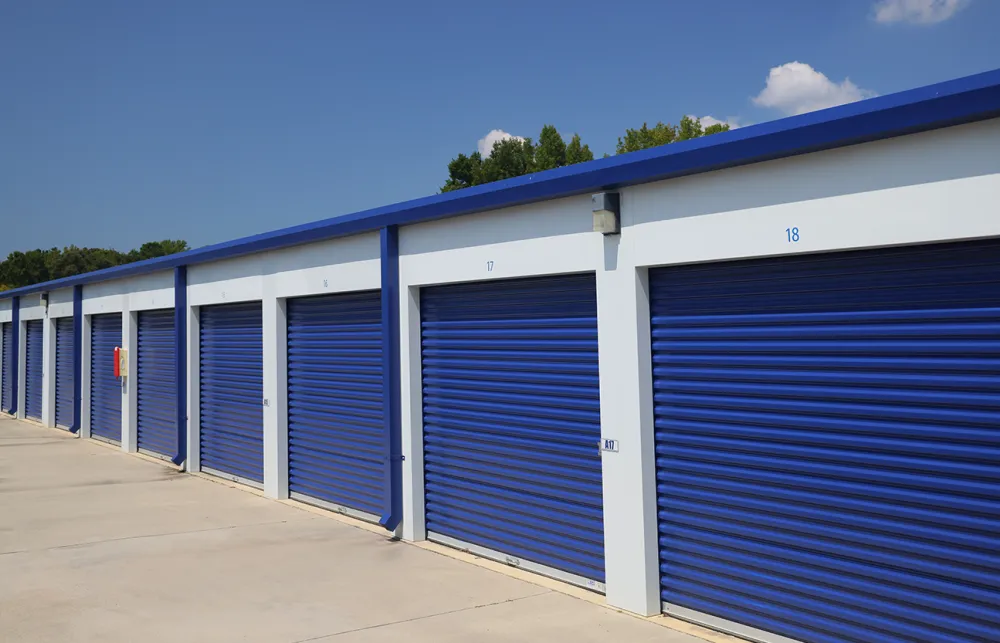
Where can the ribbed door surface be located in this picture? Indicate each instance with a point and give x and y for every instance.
(64, 372)
(105, 388)
(33, 370)
(156, 416)
(512, 419)
(232, 390)
(6, 377)
(828, 443)
(336, 438)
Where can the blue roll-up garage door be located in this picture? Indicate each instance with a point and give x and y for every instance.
(232, 391)
(9, 368)
(336, 436)
(828, 443)
(156, 382)
(33, 369)
(64, 372)
(512, 422)
(105, 388)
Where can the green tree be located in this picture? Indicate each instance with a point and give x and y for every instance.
(551, 151)
(512, 157)
(37, 266)
(22, 268)
(154, 249)
(663, 134)
(578, 153)
(463, 172)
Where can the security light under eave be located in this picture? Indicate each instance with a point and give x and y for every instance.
(606, 216)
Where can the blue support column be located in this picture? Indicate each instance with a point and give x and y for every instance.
(180, 360)
(15, 330)
(77, 359)
(393, 482)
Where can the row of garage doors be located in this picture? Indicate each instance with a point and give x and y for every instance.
(827, 434)
(827, 430)
(34, 368)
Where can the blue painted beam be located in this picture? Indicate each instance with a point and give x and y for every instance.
(963, 100)
(180, 361)
(393, 481)
(77, 358)
(15, 331)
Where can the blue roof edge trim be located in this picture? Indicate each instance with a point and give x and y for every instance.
(953, 102)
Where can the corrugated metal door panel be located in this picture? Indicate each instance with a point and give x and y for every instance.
(232, 390)
(828, 442)
(512, 419)
(335, 427)
(33, 370)
(64, 372)
(105, 388)
(6, 378)
(156, 416)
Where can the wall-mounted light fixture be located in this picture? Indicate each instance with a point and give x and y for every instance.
(606, 213)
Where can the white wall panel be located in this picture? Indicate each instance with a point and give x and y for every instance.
(31, 307)
(145, 292)
(935, 186)
(337, 265)
(61, 303)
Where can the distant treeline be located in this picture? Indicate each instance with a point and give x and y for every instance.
(36, 266)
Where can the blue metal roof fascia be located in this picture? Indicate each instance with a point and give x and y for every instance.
(953, 102)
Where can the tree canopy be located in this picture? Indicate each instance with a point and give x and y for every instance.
(37, 266)
(663, 134)
(516, 156)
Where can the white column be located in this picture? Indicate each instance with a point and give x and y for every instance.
(411, 414)
(629, 472)
(22, 363)
(85, 377)
(193, 462)
(49, 372)
(275, 397)
(130, 393)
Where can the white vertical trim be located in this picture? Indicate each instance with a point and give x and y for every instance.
(193, 462)
(275, 413)
(49, 372)
(22, 367)
(85, 356)
(130, 393)
(629, 473)
(411, 414)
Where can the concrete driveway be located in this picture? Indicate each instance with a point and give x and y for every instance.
(97, 545)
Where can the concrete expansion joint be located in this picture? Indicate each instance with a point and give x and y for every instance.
(421, 618)
(144, 537)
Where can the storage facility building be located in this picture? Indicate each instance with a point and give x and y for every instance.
(750, 380)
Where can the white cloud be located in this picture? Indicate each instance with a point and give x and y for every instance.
(486, 143)
(797, 88)
(917, 12)
(707, 121)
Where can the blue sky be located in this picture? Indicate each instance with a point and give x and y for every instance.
(207, 120)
